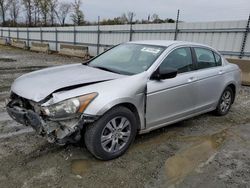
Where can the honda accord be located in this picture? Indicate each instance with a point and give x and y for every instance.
(132, 88)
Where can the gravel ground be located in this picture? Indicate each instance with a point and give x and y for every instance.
(205, 151)
(15, 62)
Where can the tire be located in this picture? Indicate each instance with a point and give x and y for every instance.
(225, 102)
(111, 135)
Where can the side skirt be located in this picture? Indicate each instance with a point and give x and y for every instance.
(147, 130)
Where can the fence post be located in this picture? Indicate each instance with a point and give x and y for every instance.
(41, 34)
(9, 34)
(131, 27)
(74, 35)
(56, 39)
(176, 25)
(1, 32)
(17, 33)
(244, 39)
(98, 36)
(28, 38)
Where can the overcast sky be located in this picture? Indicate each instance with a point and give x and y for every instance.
(191, 10)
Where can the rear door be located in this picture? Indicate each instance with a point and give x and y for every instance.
(209, 77)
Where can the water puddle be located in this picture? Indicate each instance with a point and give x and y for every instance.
(152, 139)
(177, 167)
(189, 159)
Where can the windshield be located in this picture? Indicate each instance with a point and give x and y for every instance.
(128, 58)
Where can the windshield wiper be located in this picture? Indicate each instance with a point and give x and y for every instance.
(106, 69)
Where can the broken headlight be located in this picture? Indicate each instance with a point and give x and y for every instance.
(69, 107)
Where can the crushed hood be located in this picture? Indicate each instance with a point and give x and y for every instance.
(39, 84)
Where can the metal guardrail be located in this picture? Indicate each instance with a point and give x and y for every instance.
(246, 54)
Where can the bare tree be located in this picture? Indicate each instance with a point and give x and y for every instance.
(37, 12)
(28, 5)
(77, 16)
(45, 9)
(127, 18)
(130, 16)
(14, 11)
(62, 12)
(155, 17)
(4, 5)
(124, 18)
(52, 11)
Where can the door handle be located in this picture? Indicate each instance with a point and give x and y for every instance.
(191, 79)
(221, 72)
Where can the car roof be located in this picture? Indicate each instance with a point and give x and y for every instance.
(166, 43)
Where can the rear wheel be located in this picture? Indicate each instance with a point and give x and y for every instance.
(112, 134)
(225, 102)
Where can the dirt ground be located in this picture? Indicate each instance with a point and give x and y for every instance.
(205, 151)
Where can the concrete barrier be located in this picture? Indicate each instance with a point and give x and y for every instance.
(3, 41)
(40, 47)
(245, 68)
(18, 44)
(72, 50)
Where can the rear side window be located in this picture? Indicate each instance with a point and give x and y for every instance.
(205, 58)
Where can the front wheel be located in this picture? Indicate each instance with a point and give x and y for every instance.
(112, 134)
(225, 102)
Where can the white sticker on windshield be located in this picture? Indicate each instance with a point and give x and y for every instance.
(151, 50)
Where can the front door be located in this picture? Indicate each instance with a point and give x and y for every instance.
(172, 99)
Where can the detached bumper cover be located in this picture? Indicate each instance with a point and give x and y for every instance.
(17, 114)
(26, 117)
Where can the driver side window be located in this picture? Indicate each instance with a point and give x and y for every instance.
(180, 59)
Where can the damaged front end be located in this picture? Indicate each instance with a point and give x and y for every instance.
(60, 123)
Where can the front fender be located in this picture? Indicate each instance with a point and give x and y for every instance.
(138, 102)
(128, 92)
(106, 107)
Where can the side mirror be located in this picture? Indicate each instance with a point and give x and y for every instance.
(164, 73)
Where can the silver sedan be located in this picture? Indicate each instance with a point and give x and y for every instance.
(132, 88)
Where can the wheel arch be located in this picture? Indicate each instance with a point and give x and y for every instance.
(132, 107)
(233, 87)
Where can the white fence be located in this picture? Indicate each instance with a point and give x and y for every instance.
(229, 37)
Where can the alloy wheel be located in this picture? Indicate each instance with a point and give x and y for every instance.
(226, 101)
(116, 134)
